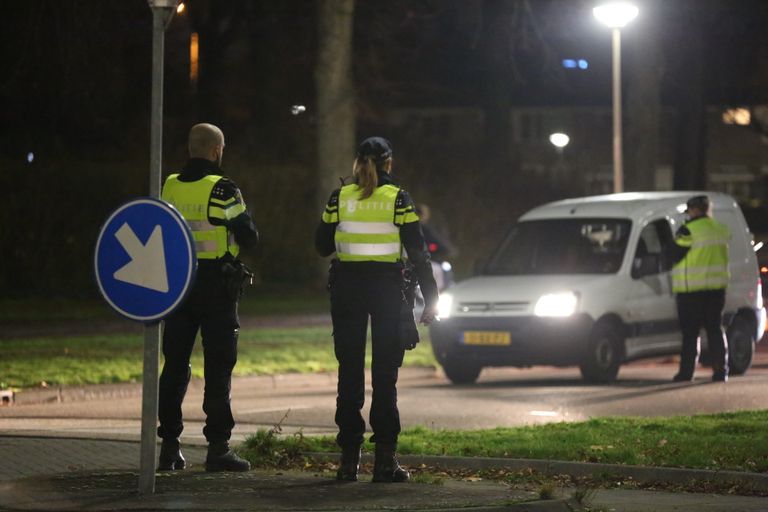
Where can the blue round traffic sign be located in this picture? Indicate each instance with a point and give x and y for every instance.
(145, 260)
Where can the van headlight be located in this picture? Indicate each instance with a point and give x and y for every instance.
(556, 304)
(444, 305)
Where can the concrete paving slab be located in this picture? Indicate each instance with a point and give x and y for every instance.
(255, 490)
(61, 474)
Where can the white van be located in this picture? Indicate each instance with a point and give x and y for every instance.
(586, 282)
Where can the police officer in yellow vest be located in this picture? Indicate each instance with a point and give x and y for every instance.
(214, 210)
(367, 224)
(699, 278)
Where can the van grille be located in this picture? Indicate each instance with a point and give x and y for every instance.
(488, 307)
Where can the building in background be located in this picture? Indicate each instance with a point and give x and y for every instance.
(736, 154)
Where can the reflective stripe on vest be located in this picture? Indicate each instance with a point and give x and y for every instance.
(705, 265)
(191, 199)
(366, 229)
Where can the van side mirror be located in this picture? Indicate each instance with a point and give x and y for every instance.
(479, 267)
(646, 265)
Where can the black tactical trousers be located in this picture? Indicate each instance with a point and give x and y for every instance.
(697, 310)
(209, 310)
(354, 297)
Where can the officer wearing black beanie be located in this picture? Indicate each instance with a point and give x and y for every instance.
(367, 224)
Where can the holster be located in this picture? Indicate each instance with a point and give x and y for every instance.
(235, 274)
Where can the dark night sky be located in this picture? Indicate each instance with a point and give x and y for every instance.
(78, 71)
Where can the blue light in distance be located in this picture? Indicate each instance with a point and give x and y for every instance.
(569, 63)
(30, 157)
(583, 64)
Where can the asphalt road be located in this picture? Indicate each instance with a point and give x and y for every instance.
(501, 397)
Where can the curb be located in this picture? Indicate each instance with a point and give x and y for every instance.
(532, 506)
(642, 474)
(60, 394)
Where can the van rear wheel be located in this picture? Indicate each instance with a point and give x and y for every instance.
(603, 355)
(461, 372)
(741, 345)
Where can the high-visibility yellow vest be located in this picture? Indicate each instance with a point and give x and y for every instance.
(194, 202)
(369, 229)
(705, 265)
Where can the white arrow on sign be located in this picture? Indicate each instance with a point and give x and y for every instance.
(147, 265)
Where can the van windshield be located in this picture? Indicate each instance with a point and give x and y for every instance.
(562, 246)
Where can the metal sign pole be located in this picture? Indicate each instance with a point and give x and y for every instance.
(149, 409)
(618, 160)
(160, 16)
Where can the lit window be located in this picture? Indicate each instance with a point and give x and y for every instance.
(575, 63)
(194, 57)
(739, 116)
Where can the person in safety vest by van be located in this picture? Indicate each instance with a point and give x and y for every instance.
(367, 224)
(215, 212)
(699, 278)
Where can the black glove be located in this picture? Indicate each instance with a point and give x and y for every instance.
(408, 333)
(333, 269)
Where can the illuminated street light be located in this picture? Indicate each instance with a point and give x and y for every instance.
(559, 140)
(616, 15)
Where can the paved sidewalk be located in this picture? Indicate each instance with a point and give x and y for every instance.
(60, 474)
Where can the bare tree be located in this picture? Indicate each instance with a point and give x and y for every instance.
(335, 94)
(218, 23)
(646, 65)
(690, 96)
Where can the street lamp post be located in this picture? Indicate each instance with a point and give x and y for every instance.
(162, 11)
(616, 15)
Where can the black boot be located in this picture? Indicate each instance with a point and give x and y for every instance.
(720, 370)
(385, 465)
(349, 464)
(222, 458)
(685, 373)
(170, 456)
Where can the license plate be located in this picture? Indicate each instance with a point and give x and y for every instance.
(487, 338)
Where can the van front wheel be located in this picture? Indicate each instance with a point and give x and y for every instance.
(741, 345)
(603, 355)
(461, 372)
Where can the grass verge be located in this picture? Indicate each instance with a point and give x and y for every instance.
(730, 441)
(264, 300)
(100, 359)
